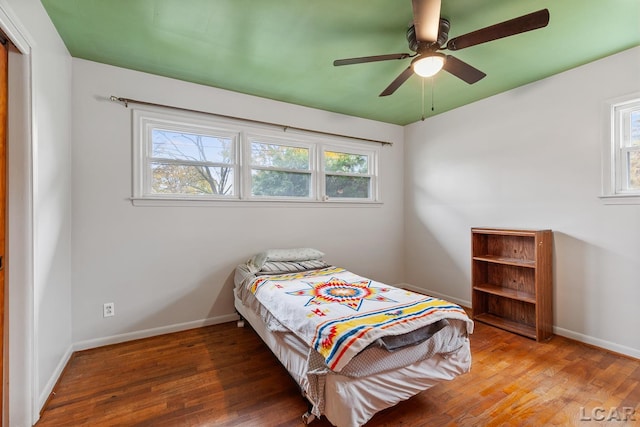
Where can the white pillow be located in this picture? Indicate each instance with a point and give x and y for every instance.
(295, 254)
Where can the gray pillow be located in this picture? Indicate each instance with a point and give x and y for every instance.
(279, 267)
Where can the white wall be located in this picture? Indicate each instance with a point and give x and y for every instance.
(531, 158)
(172, 267)
(39, 236)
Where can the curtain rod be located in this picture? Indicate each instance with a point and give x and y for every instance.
(127, 101)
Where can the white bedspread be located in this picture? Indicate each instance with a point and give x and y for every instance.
(339, 314)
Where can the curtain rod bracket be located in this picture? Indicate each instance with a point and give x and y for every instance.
(123, 100)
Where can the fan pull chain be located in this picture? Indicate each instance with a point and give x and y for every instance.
(433, 84)
(422, 80)
(433, 108)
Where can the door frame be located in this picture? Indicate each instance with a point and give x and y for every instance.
(20, 405)
(4, 223)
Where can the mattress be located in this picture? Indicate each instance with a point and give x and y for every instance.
(372, 380)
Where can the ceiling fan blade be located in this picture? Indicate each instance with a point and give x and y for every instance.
(362, 60)
(512, 27)
(426, 19)
(408, 72)
(462, 70)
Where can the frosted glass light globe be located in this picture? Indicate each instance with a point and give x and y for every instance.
(428, 66)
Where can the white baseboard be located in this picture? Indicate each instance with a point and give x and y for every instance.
(458, 301)
(596, 342)
(48, 388)
(146, 333)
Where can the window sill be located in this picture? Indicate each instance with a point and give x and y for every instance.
(621, 199)
(332, 203)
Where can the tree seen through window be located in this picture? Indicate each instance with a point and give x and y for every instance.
(191, 164)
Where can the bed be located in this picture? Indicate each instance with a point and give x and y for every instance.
(354, 346)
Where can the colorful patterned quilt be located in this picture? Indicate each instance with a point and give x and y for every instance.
(339, 313)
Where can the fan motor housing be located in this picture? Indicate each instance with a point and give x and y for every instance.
(421, 46)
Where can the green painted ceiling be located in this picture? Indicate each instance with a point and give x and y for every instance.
(284, 49)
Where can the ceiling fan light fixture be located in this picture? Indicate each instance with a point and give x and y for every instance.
(428, 65)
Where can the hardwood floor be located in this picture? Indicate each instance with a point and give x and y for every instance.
(225, 376)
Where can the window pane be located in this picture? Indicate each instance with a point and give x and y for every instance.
(344, 162)
(634, 141)
(192, 147)
(633, 160)
(280, 184)
(191, 180)
(347, 186)
(279, 156)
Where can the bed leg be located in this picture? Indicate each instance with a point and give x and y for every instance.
(240, 322)
(308, 417)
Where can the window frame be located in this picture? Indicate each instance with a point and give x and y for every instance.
(145, 121)
(268, 138)
(243, 134)
(372, 174)
(615, 170)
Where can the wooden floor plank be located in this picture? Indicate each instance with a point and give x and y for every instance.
(225, 376)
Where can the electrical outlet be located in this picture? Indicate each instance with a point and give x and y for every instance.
(108, 309)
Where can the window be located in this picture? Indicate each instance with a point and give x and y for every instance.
(280, 170)
(628, 146)
(191, 164)
(621, 177)
(185, 158)
(179, 160)
(347, 175)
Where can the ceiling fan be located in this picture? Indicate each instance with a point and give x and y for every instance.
(429, 34)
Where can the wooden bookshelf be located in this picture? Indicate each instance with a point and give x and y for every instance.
(512, 281)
